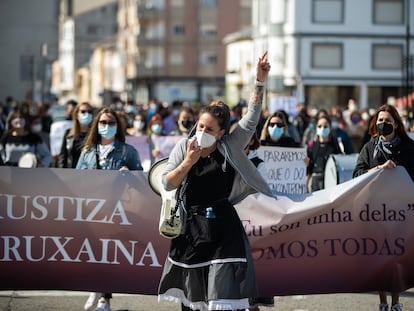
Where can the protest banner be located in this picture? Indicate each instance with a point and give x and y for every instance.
(98, 231)
(142, 145)
(286, 170)
(164, 145)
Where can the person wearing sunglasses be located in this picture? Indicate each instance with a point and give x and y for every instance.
(318, 152)
(275, 132)
(105, 146)
(105, 149)
(74, 137)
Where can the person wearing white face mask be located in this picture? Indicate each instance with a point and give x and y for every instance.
(139, 127)
(209, 266)
(318, 151)
(19, 140)
(275, 132)
(73, 139)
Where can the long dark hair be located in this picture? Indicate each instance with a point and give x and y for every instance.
(399, 130)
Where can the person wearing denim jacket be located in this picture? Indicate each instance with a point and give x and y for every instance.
(116, 155)
(105, 149)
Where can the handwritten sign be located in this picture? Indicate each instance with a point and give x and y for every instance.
(286, 169)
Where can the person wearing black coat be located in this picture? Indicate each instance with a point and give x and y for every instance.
(275, 132)
(389, 147)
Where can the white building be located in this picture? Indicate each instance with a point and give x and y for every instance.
(327, 51)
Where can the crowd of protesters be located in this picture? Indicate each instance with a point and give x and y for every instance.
(51, 137)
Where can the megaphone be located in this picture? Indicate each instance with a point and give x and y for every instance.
(170, 223)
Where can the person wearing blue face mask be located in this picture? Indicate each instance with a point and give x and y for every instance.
(73, 139)
(105, 146)
(105, 149)
(318, 151)
(275, 132)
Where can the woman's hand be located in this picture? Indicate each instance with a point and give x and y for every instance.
(387, 165)
(177, 175)
(193, 151)
(262, 68)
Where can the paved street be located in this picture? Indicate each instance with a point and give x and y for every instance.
(72, 301)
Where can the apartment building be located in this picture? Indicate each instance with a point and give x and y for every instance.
(326, 52)
(181, 54)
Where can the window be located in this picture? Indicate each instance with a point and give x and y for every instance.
(176, 58)
(387, 57)
(208, 58)
(210, 3)
(93, 29)
(177, 3)
(388, 12)
(328, 11)
(327, 56)
(178, 29)
(208, 30)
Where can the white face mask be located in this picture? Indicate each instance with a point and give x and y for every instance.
(204, 140)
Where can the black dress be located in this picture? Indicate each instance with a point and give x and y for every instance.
(319, 154)
(202, 261)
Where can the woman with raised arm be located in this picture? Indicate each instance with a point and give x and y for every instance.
(209, 265)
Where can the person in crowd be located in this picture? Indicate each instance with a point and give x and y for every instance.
(318, 151)
(212, 268)
(356, 130)
(105, 149)
(170, 115)
(292, 130)
(58, 129)
(75, 136)
(155, 129)
(185, 121)
(36, 127)
(43, 112)
(388, 147)
(251, 152)
(352, 106)
(275, 132)
(302, 119)
(19, 140)
(130, 110)
(342, 136)
(139, 126)
(3, 118)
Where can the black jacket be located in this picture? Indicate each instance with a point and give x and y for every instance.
(402, 154)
